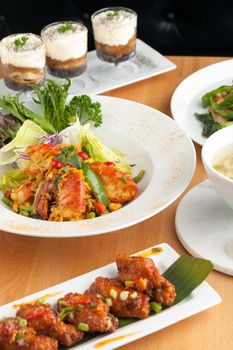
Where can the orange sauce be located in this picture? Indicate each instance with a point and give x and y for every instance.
(152, 251)
(108, 341)
(43, 297)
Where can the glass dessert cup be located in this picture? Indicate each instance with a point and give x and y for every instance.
(66, 49)
(23, 61)
(115, 34)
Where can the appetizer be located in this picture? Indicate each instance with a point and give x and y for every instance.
(108, 303)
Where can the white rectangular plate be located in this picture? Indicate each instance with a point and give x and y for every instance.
(146, 63)
(200, 299)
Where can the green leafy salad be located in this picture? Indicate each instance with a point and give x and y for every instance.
(220, 109)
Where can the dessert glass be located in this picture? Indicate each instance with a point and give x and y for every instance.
(66, 48)
(23, 60)
(115, 33)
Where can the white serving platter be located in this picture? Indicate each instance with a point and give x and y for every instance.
(202, 298)
(146, 63)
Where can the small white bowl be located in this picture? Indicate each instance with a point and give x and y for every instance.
(217, 143)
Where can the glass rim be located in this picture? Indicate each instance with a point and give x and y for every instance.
(61, 22)
(112, 8)
(22, 34)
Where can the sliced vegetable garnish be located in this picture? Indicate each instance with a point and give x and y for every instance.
(139, 176)
(156, 307)
(96, 184)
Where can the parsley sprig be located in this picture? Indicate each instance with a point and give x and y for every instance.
(21, 41)
(66, 27)
(114, 13)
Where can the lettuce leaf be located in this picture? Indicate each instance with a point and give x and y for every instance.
(27, 134)
(102, 153)
(12, 179)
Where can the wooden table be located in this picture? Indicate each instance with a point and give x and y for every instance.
(31, 264)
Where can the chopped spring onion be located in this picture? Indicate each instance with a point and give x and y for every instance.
(156, 307)
(22, 321)
(113, 293)
(133, 295)
(83, 327)
(128, 283)
(108, 301)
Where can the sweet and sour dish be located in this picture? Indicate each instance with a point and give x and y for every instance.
(138, 290)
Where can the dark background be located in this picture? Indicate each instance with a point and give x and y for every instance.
(174, 27)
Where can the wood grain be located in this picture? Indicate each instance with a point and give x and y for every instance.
(30, 264)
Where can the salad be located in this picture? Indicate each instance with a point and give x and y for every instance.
(220, 109)
(59, 171)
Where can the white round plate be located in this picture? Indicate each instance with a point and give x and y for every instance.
(204, 225)
(186, 99)
(149, 139)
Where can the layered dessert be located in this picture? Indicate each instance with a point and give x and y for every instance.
(115, 33)
(23, 60)
(66, 48)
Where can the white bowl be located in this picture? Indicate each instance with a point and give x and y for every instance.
(215, 145)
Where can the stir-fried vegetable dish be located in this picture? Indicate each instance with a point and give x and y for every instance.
(220, 109)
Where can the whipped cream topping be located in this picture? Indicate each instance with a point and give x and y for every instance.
(112, 29)
(63, 46)
(31, 54)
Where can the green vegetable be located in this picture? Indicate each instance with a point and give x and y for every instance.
(102, 153)
(12, 179)
(7, 201)
(209, 125)
(139, 176)
(52, 99)
(19, 336)
(209, 96)
(66, 27)
(22, 321)
(66, 311)
(96, 184)
(85, 110)
(156, 307)
(112, 14)
(113, 293)
(27, 134)
(133, 295)
(83, 327)
(21, 41)
(11, 104)
(186, 273)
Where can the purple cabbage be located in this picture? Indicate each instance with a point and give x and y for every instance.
(9, 125)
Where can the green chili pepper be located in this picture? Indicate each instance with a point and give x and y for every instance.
(7, 201)
(209, 96)
(225, 104)
(139, 176)
(95, 183)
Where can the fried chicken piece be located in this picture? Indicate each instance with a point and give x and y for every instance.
(146, 278)
(66, 191)
(71, 196)
(123, 303)
(118, 185)
(88, 309)
(45, 322)
(16, 335)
